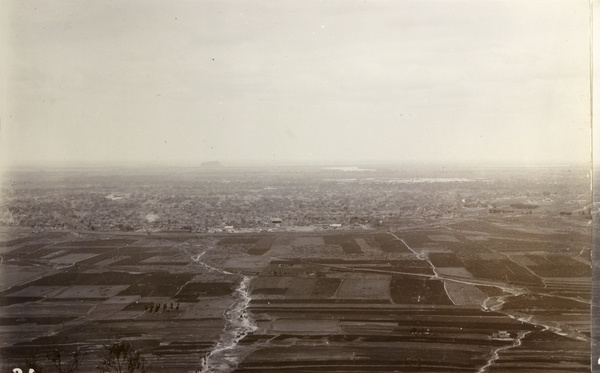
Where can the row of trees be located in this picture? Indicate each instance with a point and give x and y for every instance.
(119, 357)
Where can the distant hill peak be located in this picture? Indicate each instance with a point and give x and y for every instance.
(211, 164)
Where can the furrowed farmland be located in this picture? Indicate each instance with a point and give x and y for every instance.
(473, 291)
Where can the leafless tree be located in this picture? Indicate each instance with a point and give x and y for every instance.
(122, 357)
(70, 366)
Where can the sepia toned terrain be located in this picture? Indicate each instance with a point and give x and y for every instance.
(300, 269)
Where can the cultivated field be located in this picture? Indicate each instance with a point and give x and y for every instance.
(415, 276)
(316, 300)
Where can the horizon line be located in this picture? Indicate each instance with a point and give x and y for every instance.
(285, 163)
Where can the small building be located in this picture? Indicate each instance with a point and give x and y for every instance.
(503, 334)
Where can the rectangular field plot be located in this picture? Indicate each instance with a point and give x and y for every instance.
(111, 260)
(305, 326)
(18, 241)
(261, 246)
(270, 286)
(31, 238)
(115, 242)
(502, 270)
(38, 320)
(53, 253)
(347, 243)
(445, 260)
(165, 259)
(287, 251)
(365, 286)
(206, 308)
(326, 287)
(456, 272)
(410, 290)
(244, 240)
(72, 258)
(41, 310)
(89, 278)
(13, 275)
(308, 241)
(523, 260)
(268, 292)
(464, 294)
(443, 238)
(39, 291)
(365, 247)
(301, 287)
(134, 258)
(158, 285)
(412, 266)
(32, 251)
(91, 291)
(191, 291)
(126, 299)
(389, 244)
(558, 266)
(540, 303)
(262, 282)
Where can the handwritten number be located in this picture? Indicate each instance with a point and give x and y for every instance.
(17, 370)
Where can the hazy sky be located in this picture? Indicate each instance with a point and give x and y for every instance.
(306, 81)
(596, 79)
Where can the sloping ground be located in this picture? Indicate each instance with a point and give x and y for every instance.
(331, 303)
(433, 320)
(544, 351)
(374, 338)
(173, 313)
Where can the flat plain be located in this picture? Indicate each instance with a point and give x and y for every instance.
(463, 288)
